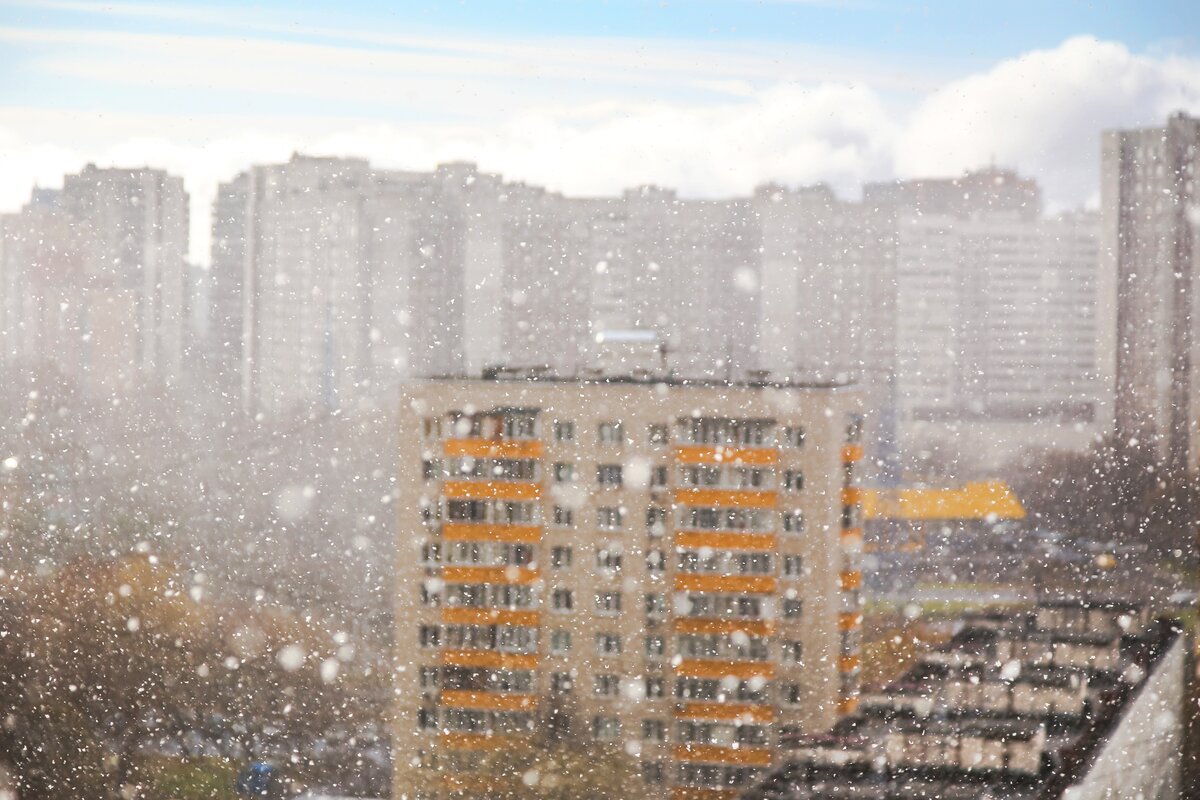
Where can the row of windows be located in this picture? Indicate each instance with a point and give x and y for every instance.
(508, 424)
(605, 685)
(694, 475)
(723, 646)
(733, 562)
(699, 430)
(609, 475)
(689, 774)
(510, 512)
(609, 603)
(736, 646)
(504, 638)
(495, 554)
(513, 469)
(467, 720)
(477, 679)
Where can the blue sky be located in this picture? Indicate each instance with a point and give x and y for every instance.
(969, 30)
(708, 96)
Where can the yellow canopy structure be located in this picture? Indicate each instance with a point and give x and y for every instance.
(984, 500)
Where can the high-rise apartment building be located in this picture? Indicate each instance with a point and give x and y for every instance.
(964, 313)
(1150, 207)
(96, 278)
(997, 317)
(333, 281)
(970, 320)
(667, 567)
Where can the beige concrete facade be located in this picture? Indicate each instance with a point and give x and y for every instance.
(665, 567)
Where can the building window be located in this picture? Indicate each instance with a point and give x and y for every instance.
(793, 480)
(656, 645)
(429, 677)
(653, 773)
(431, 469)
(656, 561)
(608, 558)
(429, 596)
(561, 683)
(789, 693)
(790, 652)
(850, 516)
(562, 600)
(655, 688)
(709, 430)
(792, 437)
(610, 518)
(654, 730)
(657, 434)
(564, 431)
(610, 433)
(427, 718)
(430, 635)
(608, 644)
(793, 521)
(792, 609)
(793, 566)
(608, 602)
(656, 521)
(606, 729)
(563, 517)
(560, 642)
(560, 557)
(656, 604)
(564, 472)
(608, 475)
(658, 475)
(606, 685)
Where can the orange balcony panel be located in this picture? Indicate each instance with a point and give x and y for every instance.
(510, 575)
(852, 453)
(492, 490)
(849, 663)
(493, 448)
(471, 532)
(706, 454)
(727, 498)
(713, 754)
(474, 741)
(489, 701)
(726, 541)
(696, 793)
(850, 580)
(851, 534)
(849, 620)
(851, 496)
(847, 705)
(488, 659)
(749, 584)
(722, 669)
(751, 627)
(490, 616)
(725, 711)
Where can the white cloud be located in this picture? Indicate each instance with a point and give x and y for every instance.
(835, 133)
(587, 120)
(1043, 112)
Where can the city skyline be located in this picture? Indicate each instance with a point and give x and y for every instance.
(585, 115)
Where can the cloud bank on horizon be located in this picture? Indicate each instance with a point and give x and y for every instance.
(583, 116)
